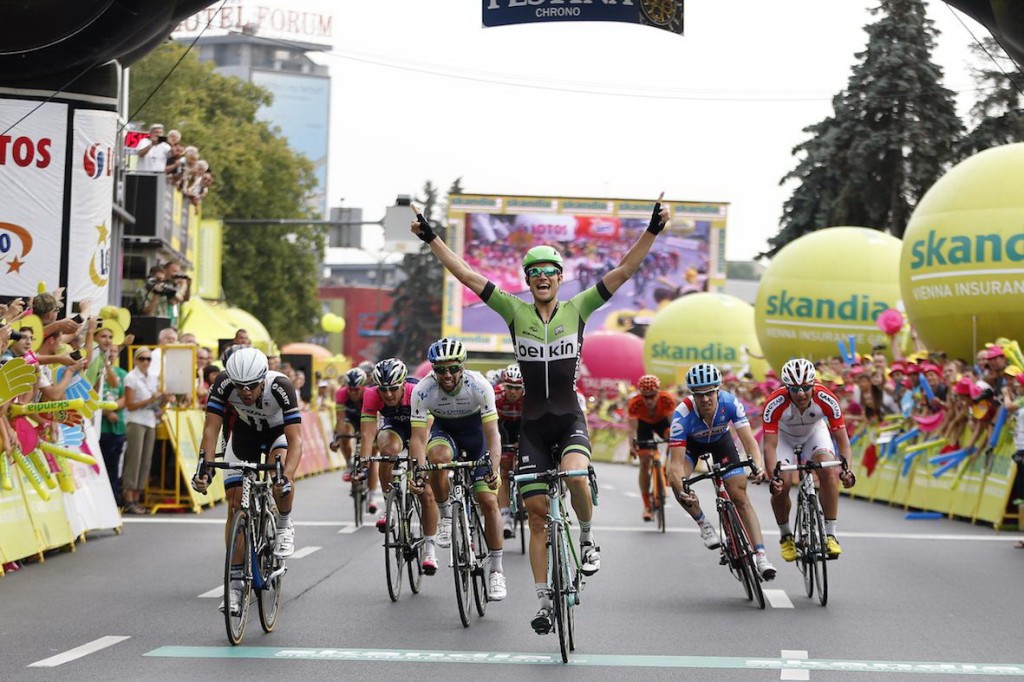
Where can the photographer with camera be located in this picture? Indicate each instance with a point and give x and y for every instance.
(166, 288)
(154, 150)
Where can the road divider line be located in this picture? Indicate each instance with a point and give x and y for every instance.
(796, 657)
(79, 651)
(304, 551)
(350, 528)
(778, 599)
(214, 593)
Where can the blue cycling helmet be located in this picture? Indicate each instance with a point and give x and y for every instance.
(703, 376)
(446, 350)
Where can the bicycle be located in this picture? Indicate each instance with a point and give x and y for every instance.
(659, 479)
(809, 536)
(403, 530)
(253, 531)
(565, 579)
(357, 490)
(468, 549)
(737, 552)
(516, 506)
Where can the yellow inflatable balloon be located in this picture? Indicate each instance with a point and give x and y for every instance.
(704, 327)
(962, 269)
(825, 287)
(332, 324)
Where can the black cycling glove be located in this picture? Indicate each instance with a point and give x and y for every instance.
(656, 226)
(426, 234)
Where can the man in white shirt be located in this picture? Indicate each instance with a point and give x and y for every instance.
(153, 150)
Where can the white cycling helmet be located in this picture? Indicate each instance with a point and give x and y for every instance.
(446, 350)
(390, 372)
(703, 376)
(512, 375)
(798, 372)
(355, 377)
(246, 366)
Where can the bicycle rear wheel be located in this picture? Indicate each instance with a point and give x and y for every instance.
(239, 544)
(268, 597)
(805, 544)
(413, 532)
(461, 562)
(559, 592)
(480, 567)
(820, 552)
(394, 551)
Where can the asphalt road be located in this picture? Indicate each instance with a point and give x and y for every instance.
(935, 599)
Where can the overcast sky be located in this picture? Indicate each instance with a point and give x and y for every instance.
(422, 91)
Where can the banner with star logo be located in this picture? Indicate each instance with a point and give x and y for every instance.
(92, 187)
(32, 161)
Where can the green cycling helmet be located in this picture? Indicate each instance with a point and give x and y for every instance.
(542, 254)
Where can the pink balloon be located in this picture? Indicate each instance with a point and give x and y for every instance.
(609, 358)
(890, 321)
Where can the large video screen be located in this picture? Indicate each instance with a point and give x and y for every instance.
(493, 233)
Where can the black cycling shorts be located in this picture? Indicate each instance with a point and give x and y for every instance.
(723, 451)
(543, 443)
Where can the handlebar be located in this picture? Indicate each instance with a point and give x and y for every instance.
(650, 444)
(810, 466)
(717, 471)
(552, 475)
(459, 464)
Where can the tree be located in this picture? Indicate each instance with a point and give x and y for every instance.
(892, 133)
(416, 304)
(257, 177)
(997, 115)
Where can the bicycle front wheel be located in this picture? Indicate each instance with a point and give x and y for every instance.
(357, 502)
(237, 575)
(805, 545)
(461, 562)
(559, 587)
(413, 540)
(268, 597)
(479, 546)
(820, 552)
(658, 495)
(520, 521)
(394, 551)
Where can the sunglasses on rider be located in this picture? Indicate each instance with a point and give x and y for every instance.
(547, 271)
(649, 396)
(251, 386)
(806, 388)
(389, 389)
(705, 394)
(447, 369)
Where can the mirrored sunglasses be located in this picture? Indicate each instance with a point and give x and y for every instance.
(807, 388)
(447, 369)
(251, 386)
(389, 389)
(547, 271)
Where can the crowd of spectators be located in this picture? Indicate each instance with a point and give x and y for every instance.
(165, 289)
(167, 154)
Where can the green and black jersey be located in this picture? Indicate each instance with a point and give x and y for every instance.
(548, 352)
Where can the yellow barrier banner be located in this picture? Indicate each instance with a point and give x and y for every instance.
(335, 458)
(966, 487)
(185, 429)
(17, 538)
(49, 519)
(923, 485)
(998, 486)
(609, 445)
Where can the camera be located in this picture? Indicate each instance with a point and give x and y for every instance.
(161, 287)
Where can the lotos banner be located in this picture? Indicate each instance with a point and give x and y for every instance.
(32, 152)
(92, 186)
(663, 14)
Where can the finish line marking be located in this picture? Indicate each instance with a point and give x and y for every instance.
(79, 652)
(606, 660)
(794, 673)
(779, 600)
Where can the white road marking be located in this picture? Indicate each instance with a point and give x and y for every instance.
(304, 551)
(606, 486)
(794, 655)
(779, 600)
(220, 522)
(631, 494)
(79, 651)
(215, 592)
(349, 528)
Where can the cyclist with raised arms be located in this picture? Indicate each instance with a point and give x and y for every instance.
(348, 408)
(465, 427)
(703, 423)
(390, 400)
(805, 415)
(267, 418)
(548, 336)
(650, 413)
(508, 399)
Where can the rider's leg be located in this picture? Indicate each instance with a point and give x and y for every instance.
(645, 480)
(737, 488)
(828, 491)
(679, 469)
